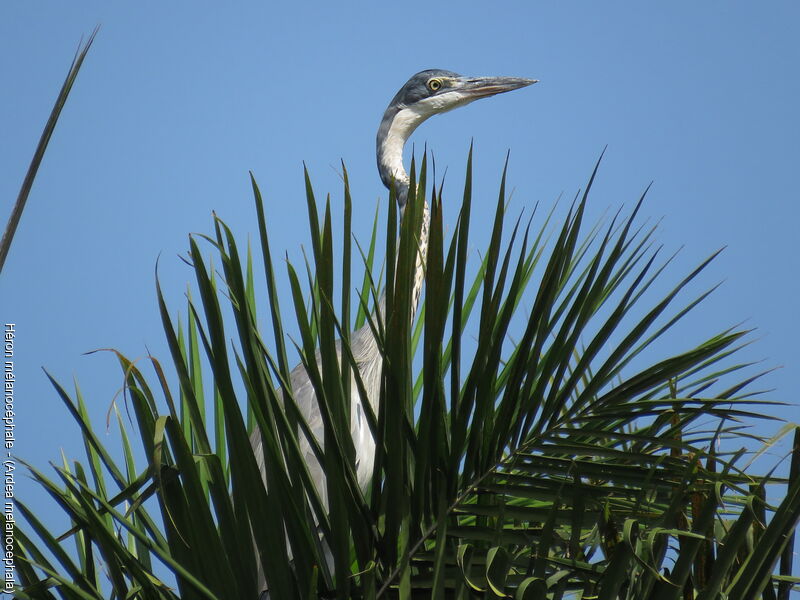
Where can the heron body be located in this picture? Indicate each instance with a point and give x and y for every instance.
(425, 94)
(364, 348)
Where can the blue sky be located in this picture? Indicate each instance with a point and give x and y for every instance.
(177, 101)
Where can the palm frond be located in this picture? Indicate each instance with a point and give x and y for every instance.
(568, 459)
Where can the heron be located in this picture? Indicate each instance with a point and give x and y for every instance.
(425, 94)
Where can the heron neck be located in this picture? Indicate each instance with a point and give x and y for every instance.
(398, 124)
(422, 254)
(419, 267)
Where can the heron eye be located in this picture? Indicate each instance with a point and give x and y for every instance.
(435, 84)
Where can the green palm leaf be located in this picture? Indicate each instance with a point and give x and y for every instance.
(560, 461)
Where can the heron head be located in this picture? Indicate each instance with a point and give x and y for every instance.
(426, 94)
(435, 91)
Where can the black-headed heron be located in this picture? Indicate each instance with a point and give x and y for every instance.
(426, 94)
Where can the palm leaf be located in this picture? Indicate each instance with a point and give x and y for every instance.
(563, 462)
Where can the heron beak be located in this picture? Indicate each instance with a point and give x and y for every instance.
(483, 87)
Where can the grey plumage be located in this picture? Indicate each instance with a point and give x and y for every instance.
(425, 94)
(364, 348)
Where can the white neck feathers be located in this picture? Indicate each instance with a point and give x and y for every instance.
(392, 136)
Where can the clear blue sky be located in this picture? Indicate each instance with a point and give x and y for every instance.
(178, 100)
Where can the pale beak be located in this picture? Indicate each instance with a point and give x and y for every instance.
(483, 87)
